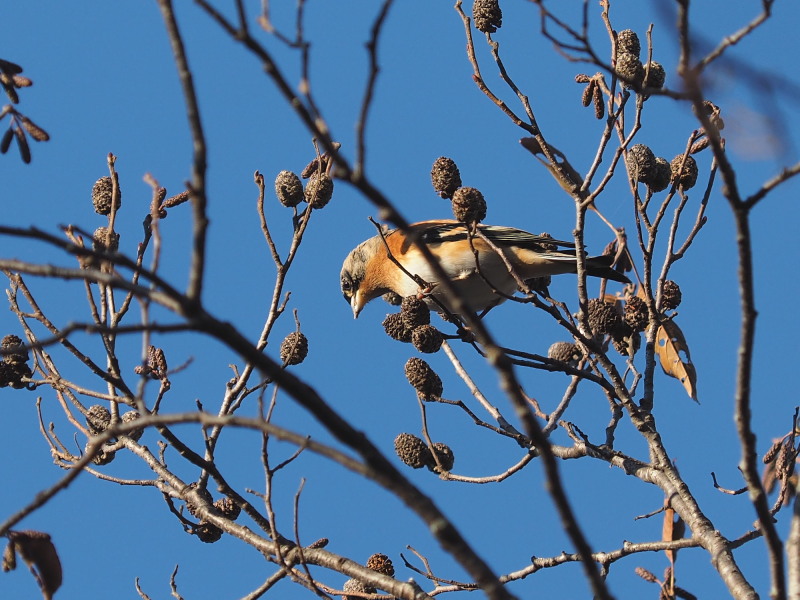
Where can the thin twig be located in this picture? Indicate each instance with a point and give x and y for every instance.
(198, 186)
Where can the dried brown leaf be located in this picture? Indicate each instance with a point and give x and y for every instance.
(673, 353)
(616, 301)
(9, 558)
(39, 553)
(668, 525)
(672, 529)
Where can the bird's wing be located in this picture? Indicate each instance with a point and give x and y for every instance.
(438, 232)
(431, 233)
(509, 236)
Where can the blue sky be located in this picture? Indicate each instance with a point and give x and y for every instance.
(105, 82)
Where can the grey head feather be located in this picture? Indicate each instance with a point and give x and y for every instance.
(355, 266)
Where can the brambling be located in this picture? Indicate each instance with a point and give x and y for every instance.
(485, 282)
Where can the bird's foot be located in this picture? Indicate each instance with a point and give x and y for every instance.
(465, 334)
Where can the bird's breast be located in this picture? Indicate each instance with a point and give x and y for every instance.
(478, 286)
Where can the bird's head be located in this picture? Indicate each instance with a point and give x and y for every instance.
(358, 281)
(350, 290)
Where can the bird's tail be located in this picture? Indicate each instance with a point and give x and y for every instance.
(600, 266)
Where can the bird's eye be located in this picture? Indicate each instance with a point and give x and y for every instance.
(347, 285)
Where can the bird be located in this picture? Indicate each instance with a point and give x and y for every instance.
(368, 271)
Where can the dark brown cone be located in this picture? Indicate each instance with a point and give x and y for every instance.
(427, 339)
(423, 378)
(381, 563)
(469, 206)
(395, 328)
(289, 189)
(445, 455)
(636, 315)
(686, 177)
(319, 190)
(101, 195)
(487, 16)
(628, 41)
(603, 316)
(641, 162)
(412, 451)
(294, 348)
(414, 312)
(445, 177)
(670, 295)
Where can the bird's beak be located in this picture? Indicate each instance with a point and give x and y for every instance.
(356, 304)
